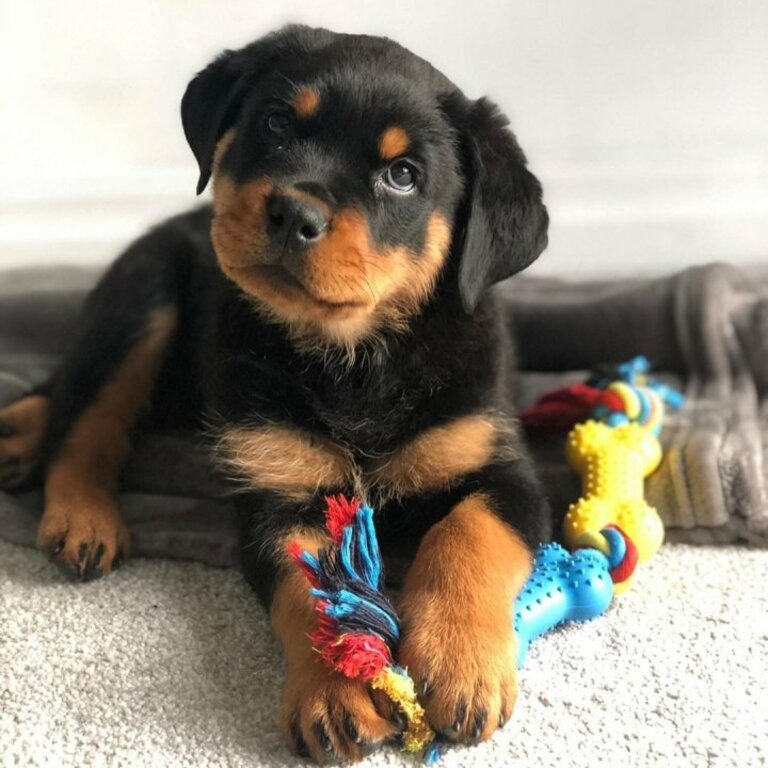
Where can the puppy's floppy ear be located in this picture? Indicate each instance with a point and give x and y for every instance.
(210, 106)
(213, 99)
(503, 219)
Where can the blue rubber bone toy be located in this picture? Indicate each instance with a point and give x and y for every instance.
(565, 587)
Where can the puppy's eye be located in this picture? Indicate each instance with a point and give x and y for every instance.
(401, 176)
(277, 123)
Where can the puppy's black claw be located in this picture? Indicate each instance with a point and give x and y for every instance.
(461, 713)
(399, 720)
(478, 724)
(97, 557)
(302, 750)
(322, 737)
(299, 745)
(6, 430)
(351, 729)
(82, 555)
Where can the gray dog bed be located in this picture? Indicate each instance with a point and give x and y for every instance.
(705, 329)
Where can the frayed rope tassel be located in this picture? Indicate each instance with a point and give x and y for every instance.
(357, 630)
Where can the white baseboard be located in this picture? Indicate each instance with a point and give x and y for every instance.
(610, 220)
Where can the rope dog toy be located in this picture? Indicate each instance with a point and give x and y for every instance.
(358, 631)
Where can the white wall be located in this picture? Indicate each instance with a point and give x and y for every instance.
(646, 121)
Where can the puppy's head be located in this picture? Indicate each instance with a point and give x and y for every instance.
(350, 177)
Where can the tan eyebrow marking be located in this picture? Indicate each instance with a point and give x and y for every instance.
(306, 101)
(394, 142)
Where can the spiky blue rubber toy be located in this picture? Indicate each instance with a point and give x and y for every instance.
(565, 586)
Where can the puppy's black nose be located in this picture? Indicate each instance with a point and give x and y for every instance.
(295, 224)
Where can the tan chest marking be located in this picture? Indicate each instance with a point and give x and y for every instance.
(285, 460)
(441, 456)
(298, 464)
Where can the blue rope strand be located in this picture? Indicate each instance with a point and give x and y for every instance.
(345, 551)
(345, 603)
(365, 522)
(364, 551)
(309, 559)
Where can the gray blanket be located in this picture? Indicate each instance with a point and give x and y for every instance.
(705, 329)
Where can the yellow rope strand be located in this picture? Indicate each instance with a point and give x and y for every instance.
(401, 690)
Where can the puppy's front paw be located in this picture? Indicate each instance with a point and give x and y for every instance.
(85, 536)
(464, 663)
(327, 716)
(456, 611)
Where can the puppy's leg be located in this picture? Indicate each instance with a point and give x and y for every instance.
(457, 604)
(81, 523)
(96, 396)
(322, 714)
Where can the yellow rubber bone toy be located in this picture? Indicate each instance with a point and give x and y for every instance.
(613, 463)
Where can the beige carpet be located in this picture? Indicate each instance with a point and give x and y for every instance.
(172, 664)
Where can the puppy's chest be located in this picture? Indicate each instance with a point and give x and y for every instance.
(369, 413)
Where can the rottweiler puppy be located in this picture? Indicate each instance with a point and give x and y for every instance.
(328, 320)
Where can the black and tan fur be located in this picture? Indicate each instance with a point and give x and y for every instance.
(329, 315)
